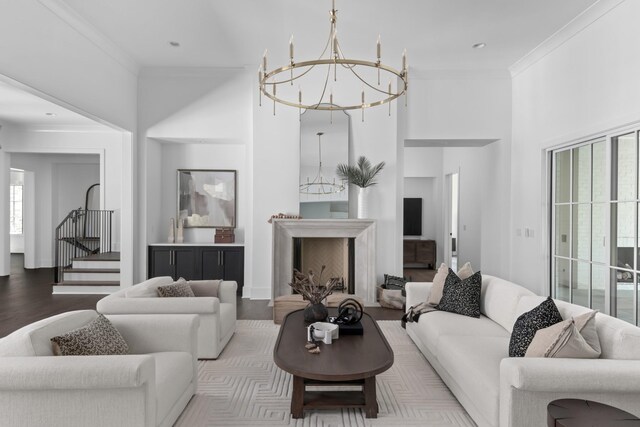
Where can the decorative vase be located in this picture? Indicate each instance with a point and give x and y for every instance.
(172, 235)
(363, 202)
(315, 313)
(180, 232)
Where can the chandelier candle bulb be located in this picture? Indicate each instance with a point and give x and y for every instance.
(291, 48)
(404, 60)
(378, 48)
(264, 61)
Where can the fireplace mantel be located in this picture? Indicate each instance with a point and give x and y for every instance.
(364, 232)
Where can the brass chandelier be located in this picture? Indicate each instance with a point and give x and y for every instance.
(319, 185)
(272, 83)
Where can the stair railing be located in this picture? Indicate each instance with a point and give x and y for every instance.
(82, 232)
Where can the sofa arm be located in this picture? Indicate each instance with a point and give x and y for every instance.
(156, 333)
(186, 305)
(528, 385)
(227, 291)
(76, 372)
(417, 292)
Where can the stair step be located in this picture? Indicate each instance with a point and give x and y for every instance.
(88, 283)
(90, 264)
(92, 274)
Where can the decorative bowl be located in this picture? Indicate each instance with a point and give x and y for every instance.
(321, 327)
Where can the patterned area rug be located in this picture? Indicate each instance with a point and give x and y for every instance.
(244, 387)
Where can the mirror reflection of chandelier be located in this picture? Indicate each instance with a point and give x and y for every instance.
(320, 185)
(335, 66)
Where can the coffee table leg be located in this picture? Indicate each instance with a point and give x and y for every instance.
(297, 397)
(370, 400)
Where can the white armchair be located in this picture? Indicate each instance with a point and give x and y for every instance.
(149, 387)
(217, 313)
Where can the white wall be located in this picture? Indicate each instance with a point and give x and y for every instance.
(458, 105)
(208, 111)
(5, 158)
(106, 144)
(58, 190)
(581, 84)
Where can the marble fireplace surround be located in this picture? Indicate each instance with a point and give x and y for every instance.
(364, 232)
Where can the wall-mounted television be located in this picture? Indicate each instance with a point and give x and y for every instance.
(412, 216)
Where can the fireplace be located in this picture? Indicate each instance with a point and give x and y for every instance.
(362, 249)
(335, 253)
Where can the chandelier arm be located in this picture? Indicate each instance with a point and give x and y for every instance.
(324, 88)
(365, 82)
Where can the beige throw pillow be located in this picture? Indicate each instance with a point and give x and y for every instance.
(575, 338)
(98, 337)
(438, 281)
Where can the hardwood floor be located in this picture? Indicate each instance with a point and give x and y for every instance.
(25, 297)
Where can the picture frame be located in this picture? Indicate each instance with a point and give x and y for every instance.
(206, 198)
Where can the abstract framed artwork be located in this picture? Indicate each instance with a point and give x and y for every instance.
(207, 198)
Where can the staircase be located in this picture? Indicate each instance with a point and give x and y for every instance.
(84, 261)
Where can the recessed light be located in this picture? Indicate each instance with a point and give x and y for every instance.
(479, 45)
(50, 114)
(174, 44)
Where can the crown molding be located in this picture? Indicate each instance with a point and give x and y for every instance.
(564, 34)
(91, 33)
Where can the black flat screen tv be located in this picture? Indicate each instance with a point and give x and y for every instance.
(412, 216)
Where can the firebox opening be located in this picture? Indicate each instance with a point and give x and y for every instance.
(336, 254)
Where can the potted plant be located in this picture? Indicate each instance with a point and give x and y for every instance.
(362, 175)
(313, 290)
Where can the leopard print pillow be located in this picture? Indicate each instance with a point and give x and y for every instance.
(99, 337)
(177, 289)
(461, 296)
(544, 315)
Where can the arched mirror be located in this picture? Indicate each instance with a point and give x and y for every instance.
(324, 143)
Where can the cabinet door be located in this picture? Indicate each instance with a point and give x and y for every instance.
(426, 253)
(408, 251)
(233, 260)
(160, 262)
(212, 266)
(184, 261)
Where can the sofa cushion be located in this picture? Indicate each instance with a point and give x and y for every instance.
(147, 289)
(98, 337)
(34, 339)
(461, 296)
(174, 372)
(431, 326)
(205, 288)
(473, 362)
(499, 300)
(525, 328)
(437, 287)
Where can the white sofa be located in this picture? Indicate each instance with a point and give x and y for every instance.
(217, 314)
(472, 358)
(149, 387)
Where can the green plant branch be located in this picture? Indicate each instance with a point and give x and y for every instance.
(361, 175)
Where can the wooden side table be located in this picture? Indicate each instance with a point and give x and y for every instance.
(579, 413)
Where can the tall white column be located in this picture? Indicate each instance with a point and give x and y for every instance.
(5, 255)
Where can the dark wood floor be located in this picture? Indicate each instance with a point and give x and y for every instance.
(25, 297)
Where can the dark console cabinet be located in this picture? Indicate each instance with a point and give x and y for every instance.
(419, 253)
(198, 262)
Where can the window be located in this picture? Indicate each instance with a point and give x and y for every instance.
(16, 186)
(595, 222)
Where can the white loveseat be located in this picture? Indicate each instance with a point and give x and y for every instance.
(217, 313)
(472, 358)
(149, 387)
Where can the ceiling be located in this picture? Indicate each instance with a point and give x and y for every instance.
(22, 108)
(438, 34)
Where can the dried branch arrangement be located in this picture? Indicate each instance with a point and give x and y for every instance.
(311, 289)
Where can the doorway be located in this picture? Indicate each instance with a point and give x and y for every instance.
(452, 220)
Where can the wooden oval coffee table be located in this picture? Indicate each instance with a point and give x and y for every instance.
(351, 360)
